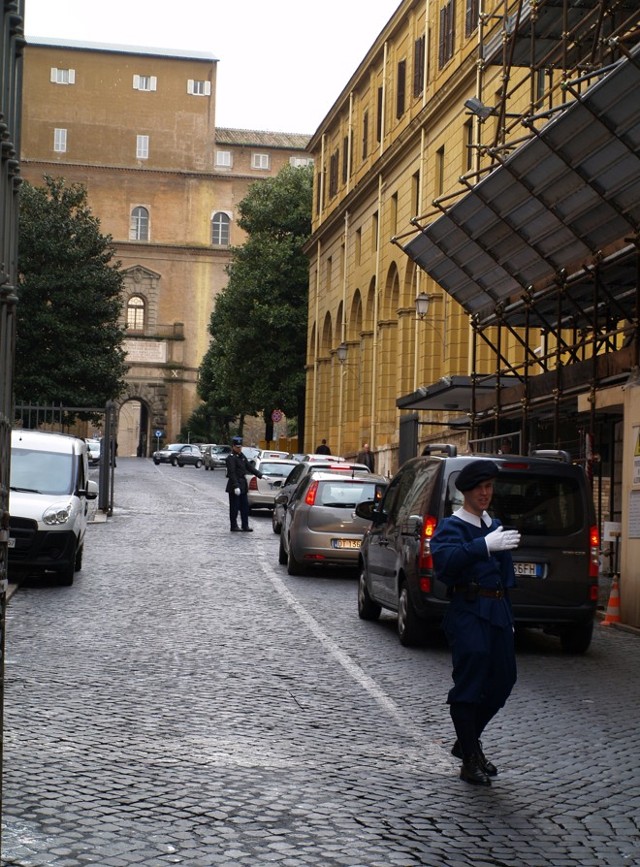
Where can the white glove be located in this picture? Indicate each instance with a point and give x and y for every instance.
(236, 491)
(502, 540)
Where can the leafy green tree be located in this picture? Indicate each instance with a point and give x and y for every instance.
(256, 359)
(69, 343)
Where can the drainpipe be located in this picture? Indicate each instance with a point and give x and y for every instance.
(343, 329)
(376, 306)
(316, 347)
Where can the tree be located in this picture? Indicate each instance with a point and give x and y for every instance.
(256, 359)
(68, 342)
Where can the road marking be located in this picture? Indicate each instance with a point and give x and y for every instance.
(435, 752)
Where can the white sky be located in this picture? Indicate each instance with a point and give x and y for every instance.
(281, 64)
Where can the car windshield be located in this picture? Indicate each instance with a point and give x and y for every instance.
(46, 472)
(344, 495)
(174, 447)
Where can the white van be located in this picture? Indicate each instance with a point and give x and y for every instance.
(48, 504)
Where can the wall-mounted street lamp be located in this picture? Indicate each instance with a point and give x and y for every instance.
(341, 352)
(478, 108)
(422, 302)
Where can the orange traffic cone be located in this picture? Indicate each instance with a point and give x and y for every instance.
(613, 608)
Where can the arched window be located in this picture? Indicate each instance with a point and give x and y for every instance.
(135, 313)
(220, 229)
(139, 229)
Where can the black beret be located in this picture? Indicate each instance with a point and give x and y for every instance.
(474, 473)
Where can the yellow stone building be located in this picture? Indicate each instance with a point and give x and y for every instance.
(483, 161)
(137, 128)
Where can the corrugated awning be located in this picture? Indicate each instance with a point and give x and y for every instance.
(567, 196)
(452, 393)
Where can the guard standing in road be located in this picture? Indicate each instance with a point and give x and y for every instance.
(237, 469)
(471, 556)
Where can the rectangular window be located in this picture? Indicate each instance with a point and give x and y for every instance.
(365, 135)
(345, 159)
(198, 88)
(468, 146)
(223, 159)
(260, 161)
(145, 82)
(447, 33)
(393, 215)
(440, 171)
(333, 174)
(358, 246)
(415, 195)
(63, 76)
(300, 162)
(142, 147)
(374, 232)
(418, 66)
(379, 115)
(401, 88)
(471, 16)
(60, 141)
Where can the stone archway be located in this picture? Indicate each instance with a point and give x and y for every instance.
(141, 411)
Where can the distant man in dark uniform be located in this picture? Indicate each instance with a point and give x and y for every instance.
(471, 555)
(237, 469)
(323, 448)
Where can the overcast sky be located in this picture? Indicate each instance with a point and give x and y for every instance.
(281, 64)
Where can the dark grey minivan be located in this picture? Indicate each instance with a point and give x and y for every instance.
(543, 495)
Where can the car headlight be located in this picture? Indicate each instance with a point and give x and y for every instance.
(57, 514)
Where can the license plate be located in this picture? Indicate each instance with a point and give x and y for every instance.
(345, 543)
(11, 543)
(531, 570)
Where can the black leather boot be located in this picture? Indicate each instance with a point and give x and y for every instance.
(487, 766)
(472, 772)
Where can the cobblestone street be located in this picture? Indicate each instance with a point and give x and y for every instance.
(187, 702)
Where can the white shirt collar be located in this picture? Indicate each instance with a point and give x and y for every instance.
(473, 519)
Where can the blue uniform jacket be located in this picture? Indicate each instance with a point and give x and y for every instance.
(460, 556)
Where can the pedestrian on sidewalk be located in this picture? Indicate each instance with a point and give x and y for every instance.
(471, 555)
(238, 467)
(366, 457)
(323, 448)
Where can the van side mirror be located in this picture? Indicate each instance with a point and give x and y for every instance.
(90, 492)
(369, 511)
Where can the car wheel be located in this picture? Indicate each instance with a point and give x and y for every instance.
(276, 526)
(294, 567)
(576, 639)
(367, 608)
(174, 462)
(198, 464)
(409, 627)
(282, 554)
(65, 576)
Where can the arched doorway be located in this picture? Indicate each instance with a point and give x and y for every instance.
(133, 429)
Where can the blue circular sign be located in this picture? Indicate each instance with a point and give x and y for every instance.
(158, 433)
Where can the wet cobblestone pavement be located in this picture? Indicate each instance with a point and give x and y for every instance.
(187, 702)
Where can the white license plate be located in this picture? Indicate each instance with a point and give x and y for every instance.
(11, 543)
(532, 570)
(345, 543)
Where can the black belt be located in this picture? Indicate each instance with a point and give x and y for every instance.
(475, 590)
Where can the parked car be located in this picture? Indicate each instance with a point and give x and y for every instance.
(94, 448)
(301, 469)
(215, 457)
(262, 492)
(271, 453)
(320, 458)
(321, 527)
(544, 496)
(179, 454)
(48, 504)
(251, 453)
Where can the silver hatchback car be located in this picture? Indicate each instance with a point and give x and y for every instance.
(320, 525)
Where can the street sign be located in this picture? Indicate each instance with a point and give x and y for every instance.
(158, 434)
(276, 415)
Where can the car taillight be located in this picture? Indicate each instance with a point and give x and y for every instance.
(310, 499)
(253, 484)
(425, 560)
(594, 552)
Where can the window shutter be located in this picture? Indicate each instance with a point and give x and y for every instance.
(136, 82)
(154, 82)
(72, 76)
(190, 85)
(207, 88)
(54, 74)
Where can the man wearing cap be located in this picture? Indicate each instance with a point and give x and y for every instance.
(471, 556)
(237, 469)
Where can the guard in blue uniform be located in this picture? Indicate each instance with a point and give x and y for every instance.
(471, 556)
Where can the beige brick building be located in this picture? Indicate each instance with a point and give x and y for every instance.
(137, 128)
